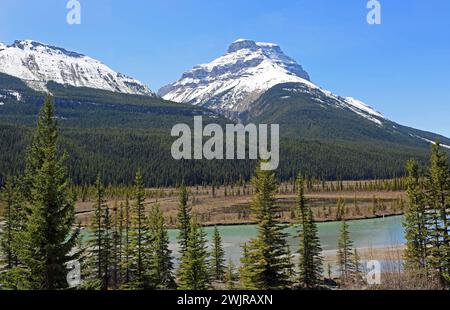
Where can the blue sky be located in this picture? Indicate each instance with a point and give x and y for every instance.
(401, 67)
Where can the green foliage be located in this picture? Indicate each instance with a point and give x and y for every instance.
(117, 244)
(102, 130)
(127, 250)
(140, 242)
(294, 106)
(100, 246)
(14, 217)
(345, 253)
(415, 223)
(17, 278)
(217, 257)
(269, 268)
(437, 197)
(427, 220)
(248, 274)
(130, 249)
(311, 262)
(48, 238)
(161, 266)
(193, 272)
(184, 218)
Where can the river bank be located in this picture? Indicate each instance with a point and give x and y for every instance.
(230, 210)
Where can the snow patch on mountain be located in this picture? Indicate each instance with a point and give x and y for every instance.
(233, 81)
(37, 63)
(433, 142)
(7, 93)
(364, 110)
(325, 97)
(16, 95)
(362, 106)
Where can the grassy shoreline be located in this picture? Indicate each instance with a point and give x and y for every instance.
(229, 210)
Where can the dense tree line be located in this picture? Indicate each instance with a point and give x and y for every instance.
(104, 136)
(310, 250)
(102, 130)
(109, 151)
(128, 245)
(427, 220)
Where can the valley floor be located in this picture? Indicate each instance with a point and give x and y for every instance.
(232, 206)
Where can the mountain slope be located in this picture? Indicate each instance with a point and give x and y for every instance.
(257, 82)
(108, 132)
(322, 135)
(232, 82)
(306, 113)
(81, 107)
(37, 64)
(119, 133)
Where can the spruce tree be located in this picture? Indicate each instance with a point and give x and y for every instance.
(99, 244)
(184, 218)
(161, 264)
(127, 249)
(118, 244)
(311, 262)
(268, 250)
(217, 257)
(139, 239)
(107, 255)
(14, 217)
(48, 238)
(415, 222)
(193, 271)
(247, 271)
(438, 200)
(345, 252)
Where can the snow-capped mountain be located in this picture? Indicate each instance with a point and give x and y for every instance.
(37, 63)
(232, 82)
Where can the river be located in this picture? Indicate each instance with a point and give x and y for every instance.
(370, 233)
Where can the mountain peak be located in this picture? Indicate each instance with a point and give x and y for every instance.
(37, 64)
(234, 80)
(31, 45)
(241, 44)
(234, 83)
(26, 44)
(245, 44)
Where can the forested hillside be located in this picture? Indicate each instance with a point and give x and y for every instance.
(117, 133)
